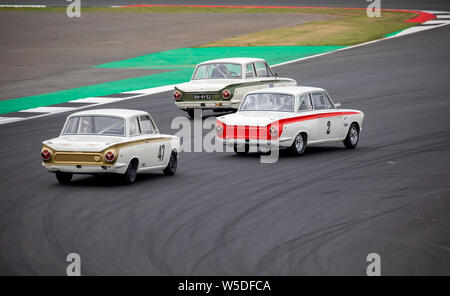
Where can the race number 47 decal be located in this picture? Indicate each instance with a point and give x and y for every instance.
(161, 152)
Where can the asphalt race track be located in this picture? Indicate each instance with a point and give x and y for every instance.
(222, 214)
(391, 4)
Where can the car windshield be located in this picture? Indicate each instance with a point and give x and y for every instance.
(268, 102)
(218, 71)
(95, 125)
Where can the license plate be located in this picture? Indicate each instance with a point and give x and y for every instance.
(202, 97)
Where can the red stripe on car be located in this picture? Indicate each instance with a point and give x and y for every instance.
(262, 132)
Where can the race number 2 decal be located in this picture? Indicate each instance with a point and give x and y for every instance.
(328, 126)
(161, 152)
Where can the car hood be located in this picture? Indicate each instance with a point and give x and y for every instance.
(83, 143)
(214, 85)
(255, 118)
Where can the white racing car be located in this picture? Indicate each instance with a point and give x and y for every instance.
(221, 84)
(115, 141)
(292, 116)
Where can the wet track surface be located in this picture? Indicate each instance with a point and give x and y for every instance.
(222, 214)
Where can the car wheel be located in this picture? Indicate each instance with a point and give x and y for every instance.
(190, 112)
(63, 178)
(130, 174)
(352, 139)
(171, 167)
(298, 147)
(240, 151)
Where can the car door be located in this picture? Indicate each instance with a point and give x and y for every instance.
(264, 74)
(339, 129)
(328, 124)
(305, 108)
(137, 147)
(156, 149)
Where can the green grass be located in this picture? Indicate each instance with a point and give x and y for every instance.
(348, 30)
(352, 27)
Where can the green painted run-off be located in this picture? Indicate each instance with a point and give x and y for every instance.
(180, 62)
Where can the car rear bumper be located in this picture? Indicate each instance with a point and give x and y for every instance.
(233, 104)
(117, 168)
(283, 142)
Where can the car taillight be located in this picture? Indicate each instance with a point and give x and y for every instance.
(176, 95)
(226, 94)
(219, 128)
(273, 131)
(109, 156)
(45, 154)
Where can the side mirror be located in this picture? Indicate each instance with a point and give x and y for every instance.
(276, 74)
(337, 105)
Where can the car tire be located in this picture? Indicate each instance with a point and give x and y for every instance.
(238, 152)
(63, 178)
(190, 112)
(171, 167)
(130, 174)
(352, 139)
(298, 147)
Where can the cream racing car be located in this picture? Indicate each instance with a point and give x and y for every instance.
(221, 84)
(114, 141)
(292, 117)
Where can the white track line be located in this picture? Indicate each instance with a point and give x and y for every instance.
(24, 6)
(102, 101)
(412, 30)
(151, 91)
(436, 22)
(96, 100)
(4, 120)
(49, 109)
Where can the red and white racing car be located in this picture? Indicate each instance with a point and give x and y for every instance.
(291, 117)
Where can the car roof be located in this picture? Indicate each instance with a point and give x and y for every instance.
(292, 90)
(234, 60)
(124, 113)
